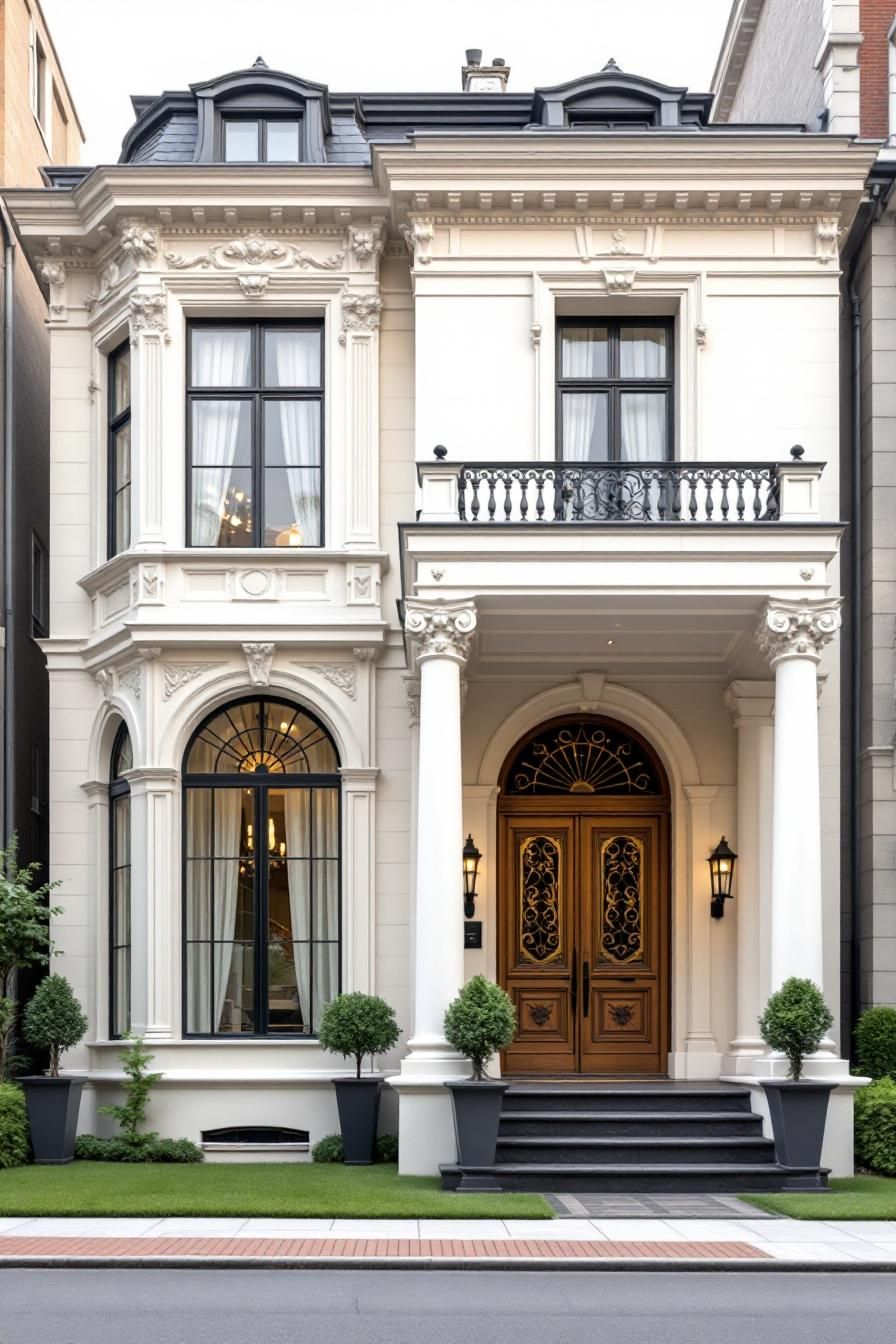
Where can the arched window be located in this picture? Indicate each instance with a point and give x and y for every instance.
(261, 872)
(120, 886)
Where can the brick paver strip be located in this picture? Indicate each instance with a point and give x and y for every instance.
(104, 1248)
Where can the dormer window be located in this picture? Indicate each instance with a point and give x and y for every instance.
(261, 140)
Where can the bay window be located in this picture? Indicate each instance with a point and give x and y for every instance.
(119, 451)
(255, 429)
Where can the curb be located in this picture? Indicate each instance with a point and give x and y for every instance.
(433, 1262)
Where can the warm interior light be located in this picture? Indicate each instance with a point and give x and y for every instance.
(290, 536)
(272, 835)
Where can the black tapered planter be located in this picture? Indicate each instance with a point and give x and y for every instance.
(358, 1100)
(477, 1114)
(53, 1105)
(798, 1110)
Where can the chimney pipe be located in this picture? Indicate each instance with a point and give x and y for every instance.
(479, 78)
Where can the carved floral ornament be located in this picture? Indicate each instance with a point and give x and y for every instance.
(361, 312)
(258, 661)
(138, 241)
(797, 629)
(366, 243)
(440, 630)
(254, 251)
(149, 314)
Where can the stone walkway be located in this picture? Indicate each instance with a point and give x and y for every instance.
(596, 1241)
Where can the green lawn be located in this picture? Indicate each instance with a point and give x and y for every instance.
(276, 1189)
(851, 1198)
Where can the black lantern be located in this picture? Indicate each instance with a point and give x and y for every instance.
(721, 873)
(471, 868)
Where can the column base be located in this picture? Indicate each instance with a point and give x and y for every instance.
(743, 1054)
(425, 1114)
(699, 1061)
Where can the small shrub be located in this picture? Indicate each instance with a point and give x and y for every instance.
(53, 1019)
(387, 1148)
(24, 939)
(90, 1148)
(480, 1021)
(795, 1020)
(328, 1149)
(876, 1042)
(355, 1025)
(131, 1114)
(15, 1146)
(875, 1126)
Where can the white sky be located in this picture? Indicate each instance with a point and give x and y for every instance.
(112, 48)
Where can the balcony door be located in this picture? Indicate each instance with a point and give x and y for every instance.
(584, 902)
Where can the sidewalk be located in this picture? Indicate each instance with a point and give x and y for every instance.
(760, 1243)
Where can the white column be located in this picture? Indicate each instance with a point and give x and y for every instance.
(359, 867)
(155, 888)
(360, 330)
(412, 688)
(149, 332)
(440, 635)
(751, 702)
(792, 634)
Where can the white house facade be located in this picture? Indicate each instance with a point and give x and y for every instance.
(432, 466)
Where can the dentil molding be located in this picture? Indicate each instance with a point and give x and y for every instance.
(798, 629)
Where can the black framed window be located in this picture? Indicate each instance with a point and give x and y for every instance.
(40, 588)
(255, 433)
(615, 389)
(261, 139)
(119, 451)
(262, 908)
(120, 886)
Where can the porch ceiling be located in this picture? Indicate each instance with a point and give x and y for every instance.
(624, 634)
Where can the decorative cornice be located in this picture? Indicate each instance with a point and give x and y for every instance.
(440, 629)
(797, 629)
(418, 236)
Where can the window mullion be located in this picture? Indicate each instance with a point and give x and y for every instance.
(262, 875)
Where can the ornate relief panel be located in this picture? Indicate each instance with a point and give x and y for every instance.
(540, 861)
(621, 899)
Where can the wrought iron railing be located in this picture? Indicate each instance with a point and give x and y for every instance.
(618, 492)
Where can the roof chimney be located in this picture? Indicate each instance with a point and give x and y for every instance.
(479, 78)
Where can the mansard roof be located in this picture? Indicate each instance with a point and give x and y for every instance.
(338, 128)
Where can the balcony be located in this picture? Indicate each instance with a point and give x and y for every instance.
(620, 493)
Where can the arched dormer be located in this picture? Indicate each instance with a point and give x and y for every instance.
(289, 118)
(613, 100)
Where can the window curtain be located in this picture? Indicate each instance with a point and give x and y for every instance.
(581, 359)
(228, 814)
(312, 842)
(643, 414)
(220, 360)
(299, 431)
(297, 816)
(212, 945)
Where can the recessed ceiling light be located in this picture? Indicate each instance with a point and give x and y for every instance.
(610, 641)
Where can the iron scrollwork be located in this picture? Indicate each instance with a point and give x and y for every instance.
(539, 899)
(621, 868)
(583, 758)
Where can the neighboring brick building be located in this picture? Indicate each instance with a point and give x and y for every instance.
(834, 64)
(38, 126)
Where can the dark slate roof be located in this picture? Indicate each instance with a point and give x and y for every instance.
(177, 127)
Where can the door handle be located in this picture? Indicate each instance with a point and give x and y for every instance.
(574, 986)
(586, 988)
(626, 979)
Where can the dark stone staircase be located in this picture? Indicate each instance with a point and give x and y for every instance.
(633, 1138)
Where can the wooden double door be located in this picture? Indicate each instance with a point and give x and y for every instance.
(583, 951)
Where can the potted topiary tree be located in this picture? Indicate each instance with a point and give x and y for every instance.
(54, 1022)
(355, 1025)
(795, 1020)
(480, 1021)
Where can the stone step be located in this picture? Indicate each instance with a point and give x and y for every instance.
(622, 1123)
(651, 1152)
(655, 1097)
(638, 1178)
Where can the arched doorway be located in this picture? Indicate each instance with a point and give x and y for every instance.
(583, 900)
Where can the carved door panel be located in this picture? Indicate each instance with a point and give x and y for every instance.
(537, 941)
(623, 936)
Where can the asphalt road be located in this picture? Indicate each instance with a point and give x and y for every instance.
(116, 1306)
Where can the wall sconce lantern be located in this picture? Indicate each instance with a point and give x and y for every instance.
(721, 872)
(471, 869)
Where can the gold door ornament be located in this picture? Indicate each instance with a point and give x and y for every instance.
(583, 758)
(621, 922)
(539, 899)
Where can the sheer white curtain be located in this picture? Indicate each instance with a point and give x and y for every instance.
(297, 819)
(297, 366)
(582, 358)
(325, 841)
(220, 359)
(643, 414)
(228, 813)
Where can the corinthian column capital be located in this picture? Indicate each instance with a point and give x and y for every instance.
(797, 629)
(440, 629)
